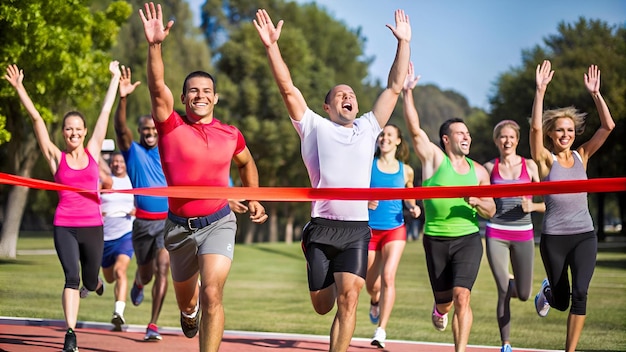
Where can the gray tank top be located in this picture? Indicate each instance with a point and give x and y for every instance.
(567, 213)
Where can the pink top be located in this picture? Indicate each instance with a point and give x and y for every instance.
(197, 155)
(78, 209)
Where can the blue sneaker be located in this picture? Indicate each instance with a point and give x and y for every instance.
(374, 313)
(541, 302)
(136, 294)
(506, 348)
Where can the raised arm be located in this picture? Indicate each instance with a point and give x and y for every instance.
(50, 151)
(386, 101)
(250, 178)
(122, 132)
(100, 130)
(592, 83)
(539, 153)
(104, 171)
(160, 95)
(269, 34)
(429, 154)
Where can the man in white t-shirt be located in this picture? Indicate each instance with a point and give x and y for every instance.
(118, 210)
(336, 239)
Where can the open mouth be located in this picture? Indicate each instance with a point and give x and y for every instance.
(347, 106)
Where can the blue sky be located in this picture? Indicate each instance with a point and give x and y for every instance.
(462, 45)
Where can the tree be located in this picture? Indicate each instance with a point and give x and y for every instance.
(62, 47)
(572, 50)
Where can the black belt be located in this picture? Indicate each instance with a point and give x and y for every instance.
(198, 222)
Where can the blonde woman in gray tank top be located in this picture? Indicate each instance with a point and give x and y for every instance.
(568, 238)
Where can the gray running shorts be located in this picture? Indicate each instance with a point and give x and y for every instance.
(148, 238)
(184, 245)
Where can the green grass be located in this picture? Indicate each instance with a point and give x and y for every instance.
(267, 291)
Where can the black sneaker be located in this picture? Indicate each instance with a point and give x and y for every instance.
(118, 320)
(70, 342)
(189, 325)
(100, 290)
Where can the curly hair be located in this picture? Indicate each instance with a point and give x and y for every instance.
(549, 121)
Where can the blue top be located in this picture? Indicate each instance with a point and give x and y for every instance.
(388, 214)
(144, 169)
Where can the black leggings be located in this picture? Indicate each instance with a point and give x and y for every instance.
(578, 252)
(82, 245)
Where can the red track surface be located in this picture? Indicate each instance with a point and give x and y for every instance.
(31, 335)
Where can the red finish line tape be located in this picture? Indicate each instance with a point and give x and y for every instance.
(296, 194)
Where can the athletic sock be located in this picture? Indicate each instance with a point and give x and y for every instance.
(119, 307)
(192, 315)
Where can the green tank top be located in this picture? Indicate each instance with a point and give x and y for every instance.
(450, 217)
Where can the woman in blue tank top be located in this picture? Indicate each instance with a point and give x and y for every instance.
(388, 231)
(568, 238)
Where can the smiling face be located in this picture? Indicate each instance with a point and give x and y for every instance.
(341, 105)
(148, 135)
(388, 140)
(74, 131)
(458, 139)
(563, 134)
(507, 141)
(118, 165)
(199, 98)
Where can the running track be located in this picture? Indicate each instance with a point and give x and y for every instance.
(37, 335)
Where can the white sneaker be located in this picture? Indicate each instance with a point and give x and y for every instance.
(439, 321)
(379, 338)
(541, 302)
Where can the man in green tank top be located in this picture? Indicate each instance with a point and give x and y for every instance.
(451, 239)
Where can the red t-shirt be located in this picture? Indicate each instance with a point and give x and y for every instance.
(197, 155)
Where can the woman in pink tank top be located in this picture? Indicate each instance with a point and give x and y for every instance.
(78, 235)
(509, 233)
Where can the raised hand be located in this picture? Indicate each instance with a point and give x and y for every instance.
(152, 21)
(402, 31)
(543, 75)
(268, 33)
(14, 75)
(592, 80)
(411, 80)
(126, 85)
(114, 68)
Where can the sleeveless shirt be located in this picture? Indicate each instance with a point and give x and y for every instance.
(388, 214)
(78, 209)
(450, 217)
(567, 213)
(509, 210)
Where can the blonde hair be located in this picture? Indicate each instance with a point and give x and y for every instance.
(550, 117)
(502, 124)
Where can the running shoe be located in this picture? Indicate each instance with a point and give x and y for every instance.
(541, 302)
(379, 338)
(136, 294)
(117, 320)
(70, 342)
(84, 292)
(152, 333)
(439, 321)
(374, 312)
(506, 348)
(100, 289)
(189, 325)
